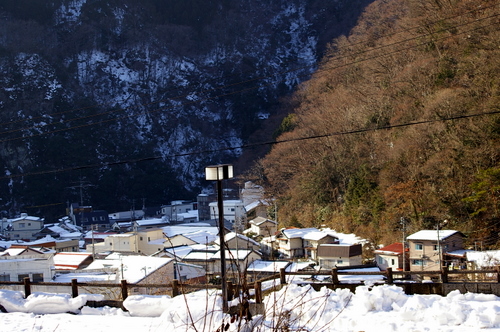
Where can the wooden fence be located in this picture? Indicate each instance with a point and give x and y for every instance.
(482, 281)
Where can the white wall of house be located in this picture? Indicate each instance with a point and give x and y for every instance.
(25, 227)
(234, 210)
(331, 262)
(385, 261)
(37, 267)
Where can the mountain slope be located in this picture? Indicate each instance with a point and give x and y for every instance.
(404, 123)
(131, 99)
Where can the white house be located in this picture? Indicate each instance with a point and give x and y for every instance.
(262, 227)
(36, 267)
(391, 256)
(234, 211)
(24, 227)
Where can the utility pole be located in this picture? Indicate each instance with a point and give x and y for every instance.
(403, 223)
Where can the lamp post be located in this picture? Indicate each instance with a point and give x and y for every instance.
(219, 173)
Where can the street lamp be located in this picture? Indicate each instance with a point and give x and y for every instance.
(219, 173)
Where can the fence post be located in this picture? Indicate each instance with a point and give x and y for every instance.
(124, 287)
(74, 287)
(27, 287)
(390, 277)
(258, 292)
(335, 276)
(282, 276)
(444, 274)
(175, 287)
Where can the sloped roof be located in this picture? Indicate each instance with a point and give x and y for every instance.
(70, 260)
(260, 220)
(432, 235)
(392, 249)
(267, 266)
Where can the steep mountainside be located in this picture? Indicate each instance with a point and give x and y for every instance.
(399, 124)
(129, 100)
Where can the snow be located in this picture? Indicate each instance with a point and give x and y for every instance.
(293, 308)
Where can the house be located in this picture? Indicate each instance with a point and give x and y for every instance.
(178, 210)
(237, 260)
(260, 269)
(252, 196)
(24, 227)
(88, 218)
(234, 212)
(392, 256)
(238, 241)
(147, 242)
(428, 248)
(263, 227)
(302, 242)
(58, 245)
(333, 255)
(36, 267)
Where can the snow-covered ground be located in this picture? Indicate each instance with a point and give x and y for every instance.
(293, 308)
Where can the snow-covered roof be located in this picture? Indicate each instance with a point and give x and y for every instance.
(202, 236)
(85, 277)
(69, 260)
(260, 220)
(181, 251)
(234, 254)
(484, 258)
(431, 235)
(171, 231)
(267, 266)
(232, 235)
(293, 233)
(134, 268)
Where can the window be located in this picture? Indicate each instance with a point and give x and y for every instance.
(37, 277)
(418, 262)
(339, 261)
(20, 277)
(393, 261)
(419, 246)
(29, 224)
(22, 225)
(140, 238)
(4, 277)
(436, 247)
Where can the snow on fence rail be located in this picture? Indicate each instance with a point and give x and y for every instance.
(478, 282)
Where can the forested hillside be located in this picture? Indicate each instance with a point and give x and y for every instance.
(400, 122)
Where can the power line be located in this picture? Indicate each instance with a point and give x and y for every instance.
(247, 146)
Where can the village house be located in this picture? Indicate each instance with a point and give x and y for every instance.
(145, 242)
(234, 212)
(24, 228)
(234, 240)
(87, 218)
(428, 248)
(260, 269)
(334, 255)
(302, 242)
(38, 267)
(262, 227)
(391, 256)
